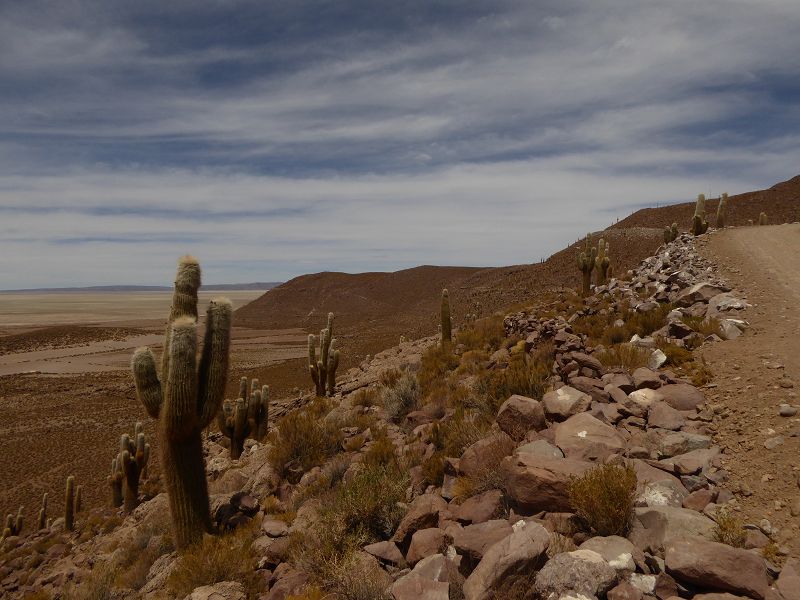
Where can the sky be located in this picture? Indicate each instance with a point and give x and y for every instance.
(274, 138)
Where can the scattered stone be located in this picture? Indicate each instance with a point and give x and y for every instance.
(773, 442)
(579, 572)
(787, 410)
(564, 402)
(520, 414)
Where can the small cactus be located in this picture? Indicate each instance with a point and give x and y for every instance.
(762, 219)
(602, 262)
(447, 328)
(671, 233)
(722, 209)
(186, 399)
(132, 460)
(42, 521)
(247, 416)
(69, 504)
(586, 263)
(115, 482)
(78, 499)
(14, 524)
(699, 223)
(320, 369)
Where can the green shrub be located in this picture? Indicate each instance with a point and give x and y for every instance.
(526, 375)
(603, 498)
(402, 397)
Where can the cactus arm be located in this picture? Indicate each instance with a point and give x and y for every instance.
(214, 362)
(180, 409)
(148, 387)
(184, 301)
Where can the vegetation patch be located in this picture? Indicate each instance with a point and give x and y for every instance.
(603, 498)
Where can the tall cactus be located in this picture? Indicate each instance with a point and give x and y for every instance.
(42, 521)
(14, 524)
(602, 262)
(186, 398)
(586, 263)
(699, 223)
(69, 504)
(447, 328)
(722, 209)
(247, 416)
(323, 370)
(762, 219)
(671, 233)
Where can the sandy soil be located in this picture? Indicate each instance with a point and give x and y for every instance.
(759, 371)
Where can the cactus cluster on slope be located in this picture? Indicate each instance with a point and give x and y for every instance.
(13, 524)
(671, 233)
(186, 398)
(323, 370)
(247, 416)
(594, 258)
(128, 468)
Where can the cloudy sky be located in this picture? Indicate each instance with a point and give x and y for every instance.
(275, 138)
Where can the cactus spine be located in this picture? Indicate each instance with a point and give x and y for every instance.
(69, 504)
(186, 399)
(446, 325)
(586, 263)
(762, 219)
(602, 262)
(671, 233)
(699, 223)
(722, 209)
(42, 521)
(323, 371)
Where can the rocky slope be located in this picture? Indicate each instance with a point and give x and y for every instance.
(446, 481)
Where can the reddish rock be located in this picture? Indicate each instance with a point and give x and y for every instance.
(624, 591)
(520, 414)
(537, 483)
(387, 552)
(422, 514)
(699, 500)
(682, 396)
(583, 437)
(473, 541)
(646, 378)
(788, 583)
(662, 415)
(479, 508)
(716, 567)
(565, 402)
(482, 454)
(424, 543)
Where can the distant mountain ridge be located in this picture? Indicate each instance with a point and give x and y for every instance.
(258, 285)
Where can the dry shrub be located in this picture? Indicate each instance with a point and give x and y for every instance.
(436, 362)
(302, 440)
(97, 586)
(676, 355)
(559, 544)
(382, 450)
(645, 323)
(214, 559)
(39, 595)
(366, 396)
(483, 334)
(402, 397)
(151, 541)
(626, 356)
(389, 377)
(701, 374)
(729, 529)
(473, 362)
(603, 498)
(463, 429)
(527, 375)
(490, 476)
(433, 469)
(704, 326)
(771, 553)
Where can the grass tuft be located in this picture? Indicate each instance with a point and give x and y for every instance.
(603, 498)
(729, 529)
(401, 398)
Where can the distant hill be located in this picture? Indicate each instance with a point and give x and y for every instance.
(781, 202)
(260, 285)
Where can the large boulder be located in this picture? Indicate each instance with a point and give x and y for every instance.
(700, 292)
(582, 572)
(520, 414)
(583, 437)
(655, 526)
(422, 514)
(516, 554)
(535, 483)
(646, 378)
(483, 454)
(224, 590)
(473, 541)
(479, 508)
(717, 567)
(424, 543)
(663, 416)
(616, 551)
(788, 583)
(429, 580)
(682, 396)
(565, 402)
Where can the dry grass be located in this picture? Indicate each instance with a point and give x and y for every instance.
(676, 355)
(302, 440)
(703, 326)
(137, 557)
(560, 543)
(626, 356)
(526, 375)
(483, 334)
(463, 429)
(433, 469)
(436, 362)
(701, 374)
(365, 397)
(401, 398)
(389, 377)
(217, 558)
(97, 586)
(603, 498)
(729, 529)
(381, 451)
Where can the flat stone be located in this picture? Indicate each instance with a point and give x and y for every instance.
(540, 448)
(473, 541)
(616, 551)
(583, 437)
(682, 396)
(578, 572)
(565, 402)
(663, 416)
(480, 508)
(656, 525)
(520, 414)
(424, 543)
(536, 483)
(387, 552)
(646, 378)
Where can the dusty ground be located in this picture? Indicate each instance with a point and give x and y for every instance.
(761, 370)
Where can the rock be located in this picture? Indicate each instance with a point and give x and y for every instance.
(480, 508)
(754, 538)
(662, 415)
(681, 442)
(580, 572)
(521, 552)
(482, 454)
(541, 448)
(700, 292)
(645, 378)
(716, 566)
(535, 483)
(788, 583)
(274, 528)
(639, 402)
(225, 590)
(428, 580)
(787, 410)
(565, 402)
(693, 462)
(656, 360)
(615, 550)
(387, 552)
(773, 442)
(656, 525)
(682, 396)
(424, 543)
(661, 493)
(520, 414)
(473, 541)
(590, 362)
(699, 500)
(422, 514)
(583, 437)
(729, 330)
(625, 591)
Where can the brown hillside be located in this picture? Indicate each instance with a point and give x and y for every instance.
(781, 202)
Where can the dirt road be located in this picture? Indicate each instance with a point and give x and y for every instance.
(758, 372)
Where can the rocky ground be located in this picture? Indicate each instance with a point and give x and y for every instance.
(452, 473)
